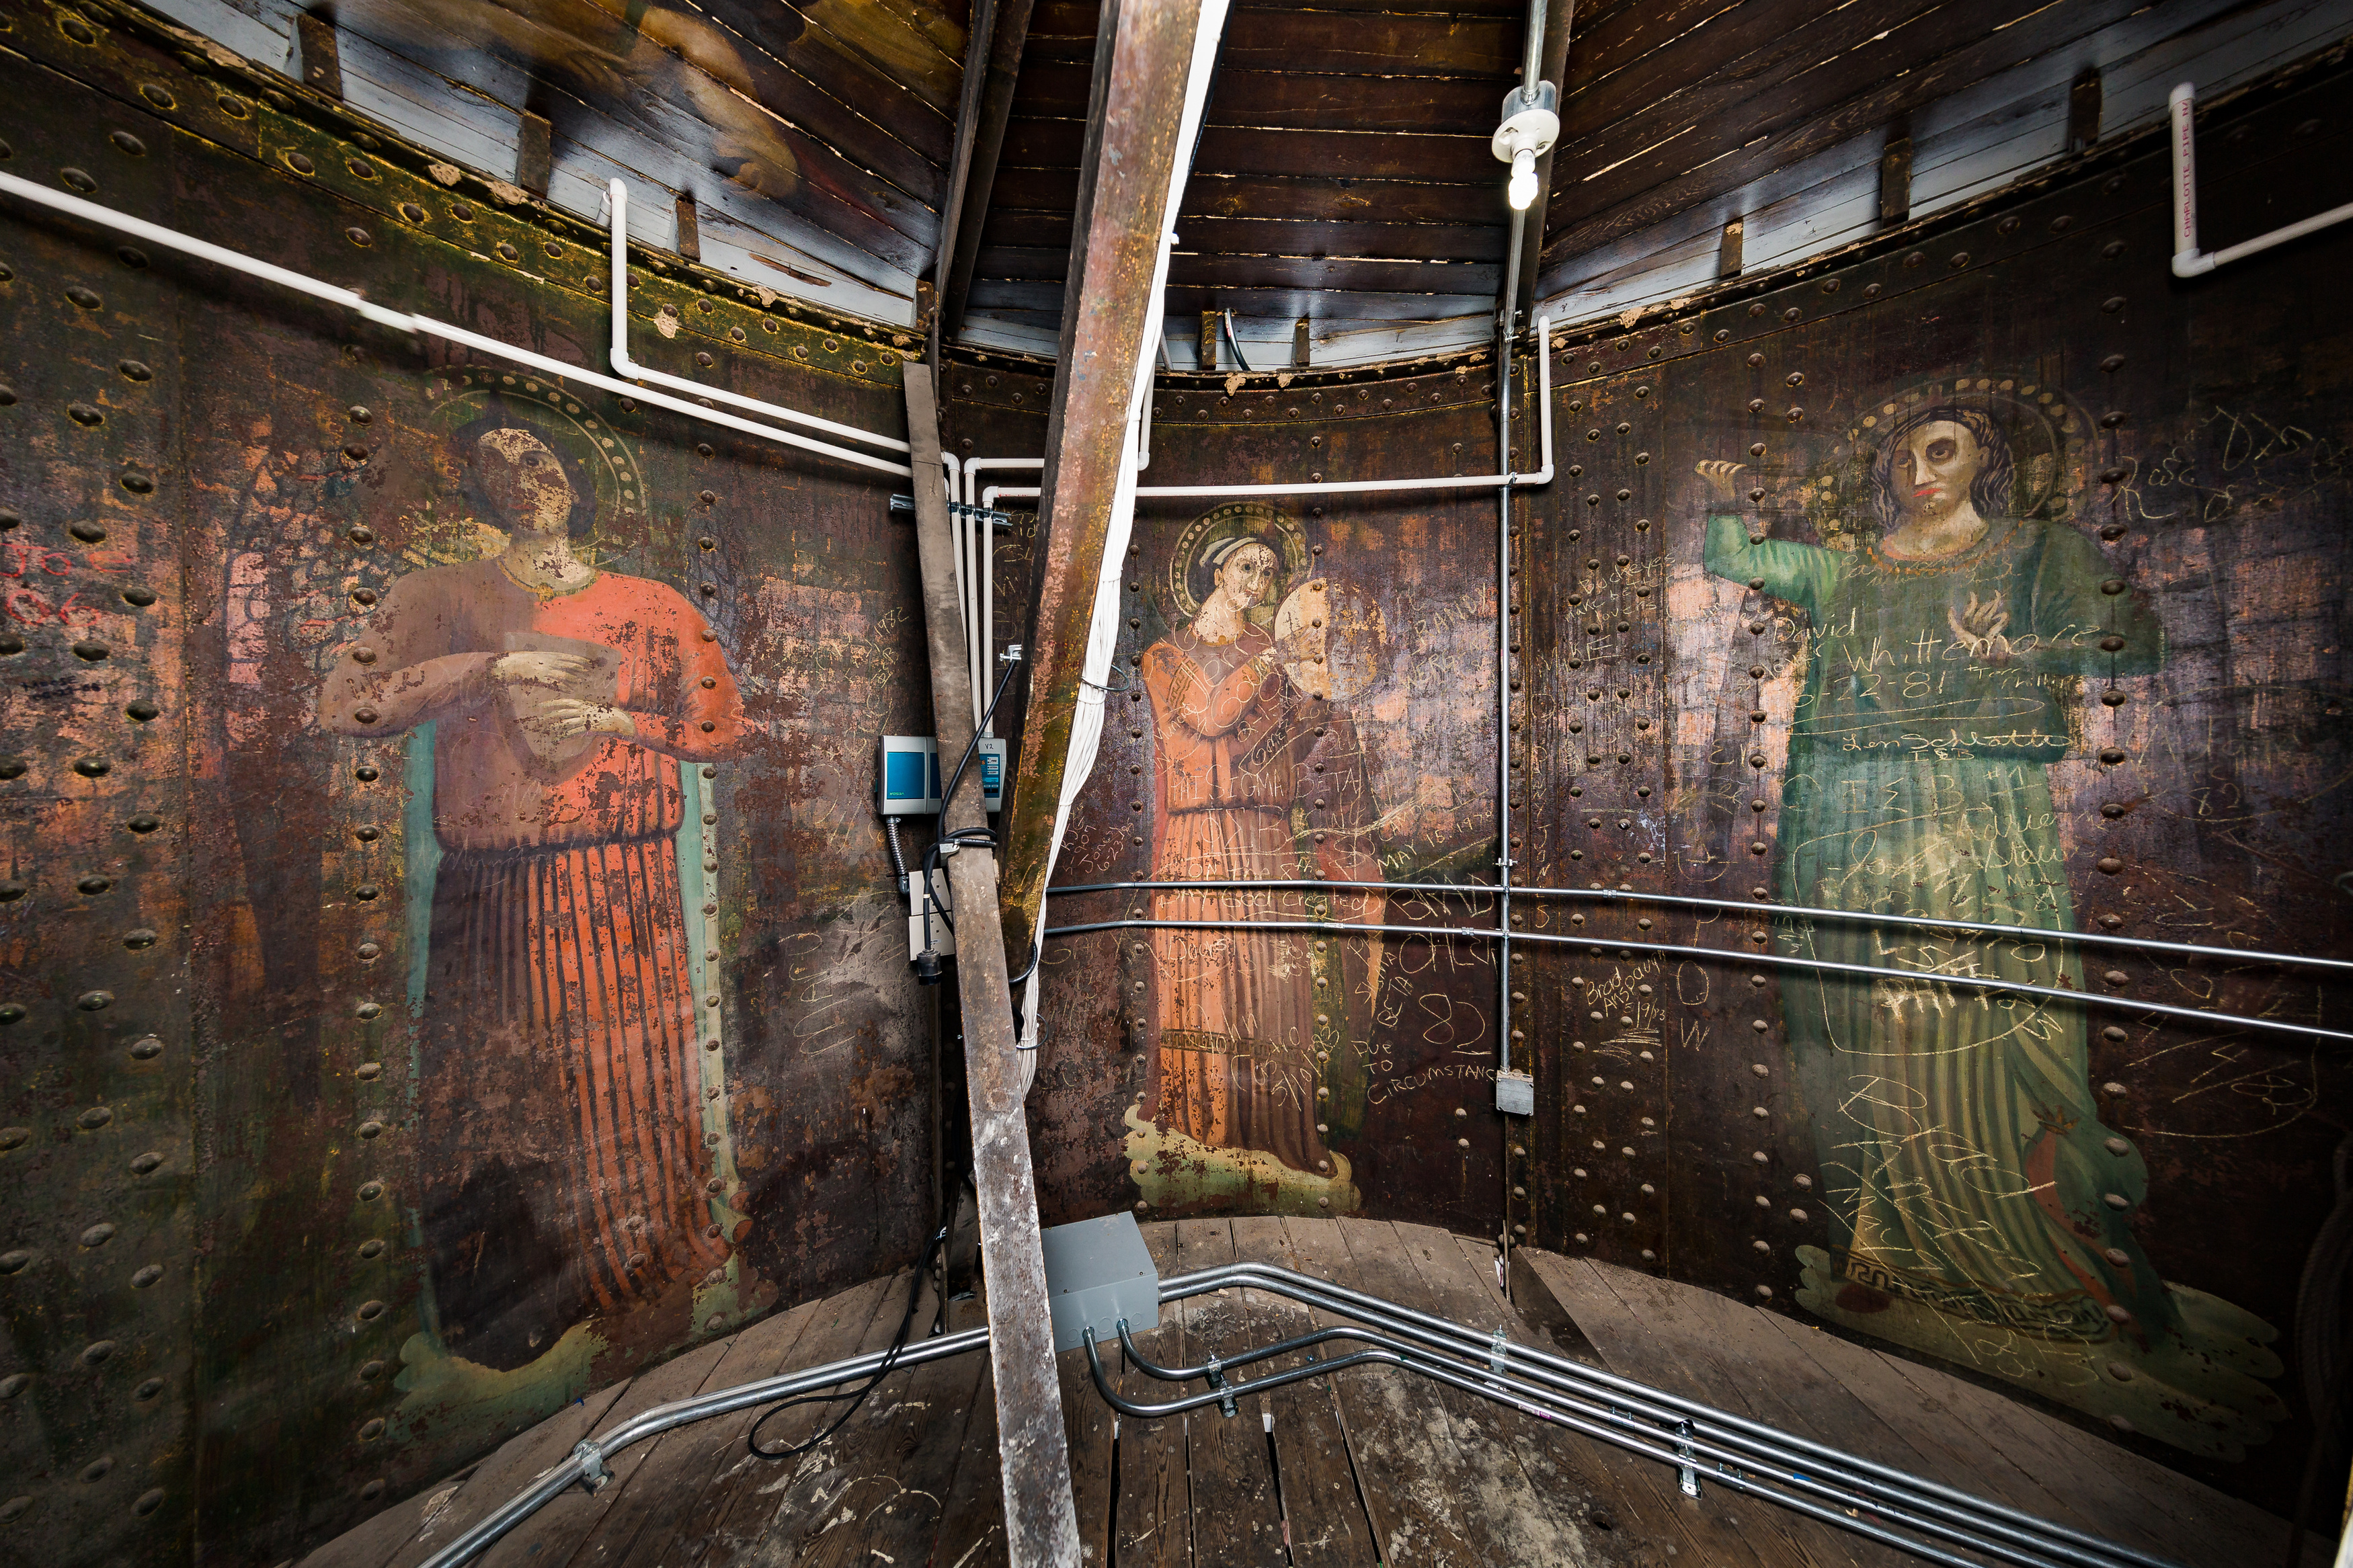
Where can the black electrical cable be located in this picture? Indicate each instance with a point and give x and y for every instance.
(858, 1398)
(978, 838)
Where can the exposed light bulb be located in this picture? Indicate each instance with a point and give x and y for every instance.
(1523, 180)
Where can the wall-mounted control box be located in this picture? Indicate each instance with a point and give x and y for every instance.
(907, 776)
(990, 761)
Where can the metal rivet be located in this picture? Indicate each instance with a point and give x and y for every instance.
(14, 1262)
(97, 1234)
(143, 823)
(85, 414)
(370, 1129)
(91, 651)
(148, 1390)
(93, 1002)
(147, 1048)
(371, 1311)
(371, 1430)
(14, 1384)
(98, 1469)
(371, 1191)
(142, 709)
(149, 1501)
(146, 1277)
(146, 1163)
(139, 599)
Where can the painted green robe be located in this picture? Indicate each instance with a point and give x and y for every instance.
(1962, 1155)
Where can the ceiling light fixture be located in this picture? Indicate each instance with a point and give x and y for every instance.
(1531, 125)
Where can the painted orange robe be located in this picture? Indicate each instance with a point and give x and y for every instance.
(560, 1133)
(1238, 747)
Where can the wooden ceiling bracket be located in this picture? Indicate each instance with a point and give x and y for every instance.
(1041, 1523)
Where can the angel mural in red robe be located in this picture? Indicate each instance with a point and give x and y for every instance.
(560, 1147)
(1259, 778)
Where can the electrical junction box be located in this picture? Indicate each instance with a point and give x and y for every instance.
(990, 761)
(1097, 1272)
(1516, 1093)
(907, 776)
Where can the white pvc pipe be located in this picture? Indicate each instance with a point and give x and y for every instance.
(617, 195)
(988, 554)
(2189, 261)
(399, 321)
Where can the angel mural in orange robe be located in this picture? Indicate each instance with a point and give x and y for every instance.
(1243, 737)
(560, 1142)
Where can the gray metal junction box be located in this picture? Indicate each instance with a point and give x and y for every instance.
(1097, 1272)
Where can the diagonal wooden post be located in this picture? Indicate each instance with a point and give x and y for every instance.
(1041, 1522)
(1143, 54)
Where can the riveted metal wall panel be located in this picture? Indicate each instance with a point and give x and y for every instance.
(277, 1245)
(2001, 1187)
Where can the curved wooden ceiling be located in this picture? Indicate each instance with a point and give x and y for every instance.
(1343, 176)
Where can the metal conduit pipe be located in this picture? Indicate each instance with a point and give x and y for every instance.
(617, 196)
(1719, 1426)
(1765, 960)
(1588, 1400)
(1608, 1426)
(401, 321)
(1734, 906)
(586, 1466)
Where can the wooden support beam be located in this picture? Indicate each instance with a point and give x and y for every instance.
(322, 63)
(1143, 54)
(690, 228)
(1559, 17)
(1208, 349)
(1728, 248)
(980, 142)
(1041, 1523)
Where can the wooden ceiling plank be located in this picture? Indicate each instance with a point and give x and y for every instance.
(1048, 234)
(1299, 100)
(1382, 155)
(1337, 307)
(836, 193)
(980, 151)
(1653, 194)
(1144, 59)
(860, 101)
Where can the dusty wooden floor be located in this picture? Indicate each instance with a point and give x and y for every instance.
(1370, 1465)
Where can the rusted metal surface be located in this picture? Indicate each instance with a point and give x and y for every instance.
(303, 1199)
(1041, 1524)
(1144, 59)
(2182, 449)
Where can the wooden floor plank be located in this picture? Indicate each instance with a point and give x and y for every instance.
(1706, 1367)
(1944, 1451)
(552, 1533)
(1637, 1496)
(778, 1508)
(1433, 1273)
(1324, 1513)
(972, 1525)
(1227, 1456)
(693, 1481)
(1415, 1483)
(2082, 1467)
(901, 1454)
(507, 1471)
(1086, 1426)
(1152, 1515)
(371, 1544)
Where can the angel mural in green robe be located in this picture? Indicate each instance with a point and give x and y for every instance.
(1979, 1210)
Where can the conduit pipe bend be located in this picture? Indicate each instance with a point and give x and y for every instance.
(401, 321)
(2189, 261)
(617, 196)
